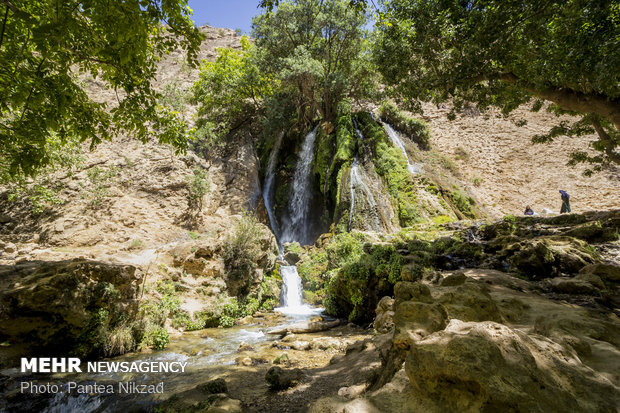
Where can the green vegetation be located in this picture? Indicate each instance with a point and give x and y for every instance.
(100, 180)
(414, 129)
(42, 190)
(502, 54)
(392, 166)
(198, 185)
(229, 91)
(45, 46)
(316, 49)
(136, 244)
(241, 253)
(464, 203)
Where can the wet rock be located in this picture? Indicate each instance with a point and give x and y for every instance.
(384, 321)
(454, 279)
(309, 327)
(289, 338)
(490, 367)
(280, 379)
(292, 257)
(213, 387)
(244, 347)
(244, 361)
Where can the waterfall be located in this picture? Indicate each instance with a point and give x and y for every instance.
(291, 288)
(357, 178)
(268, 187)
(413, 168)
(299, 204)
(296, 228)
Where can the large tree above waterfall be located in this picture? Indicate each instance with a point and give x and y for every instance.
(45, 45)
(506, 53)
(316, 48)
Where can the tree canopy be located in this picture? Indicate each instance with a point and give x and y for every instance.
(45, 45)
(230, 90)
(507, 53)
(316, 49)
(307, 56)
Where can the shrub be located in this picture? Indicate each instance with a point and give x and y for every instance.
(100, 180)
(198, 185)
(415, 129)
(241, 253)
(463, 203)
(158, 338)
(227, 321)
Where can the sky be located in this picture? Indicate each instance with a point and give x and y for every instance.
(231, 14)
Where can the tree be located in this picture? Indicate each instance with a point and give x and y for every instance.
(507, 53)
(316, 49)
(229, 91)
(46, 45)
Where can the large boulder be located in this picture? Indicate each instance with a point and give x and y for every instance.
(384, 321)
(546, 257)
(66, 307)
(489, 367)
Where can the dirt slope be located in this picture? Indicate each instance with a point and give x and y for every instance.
(512, 172)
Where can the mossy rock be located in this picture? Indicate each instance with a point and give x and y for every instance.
(594, 231)
(546, 257)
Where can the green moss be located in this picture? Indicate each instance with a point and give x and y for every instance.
(464, 203)
(416, 129)
(323, 158)
(391, 165)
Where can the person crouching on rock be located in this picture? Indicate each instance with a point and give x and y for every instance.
(565, 202)
(528, 210)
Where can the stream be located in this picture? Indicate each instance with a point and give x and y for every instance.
(206, 351)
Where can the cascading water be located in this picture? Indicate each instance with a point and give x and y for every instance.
(299, 204)
(357, 181)
(413, 168)
(296, 229)
(268, 187)
(291, 288)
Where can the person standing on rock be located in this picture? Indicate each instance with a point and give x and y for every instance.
(565, 202)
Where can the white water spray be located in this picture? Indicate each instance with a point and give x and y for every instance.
(413, 168)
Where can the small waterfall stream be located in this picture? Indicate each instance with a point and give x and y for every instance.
(413, 168)
(357, 181)
(268, 186)
(299, 204)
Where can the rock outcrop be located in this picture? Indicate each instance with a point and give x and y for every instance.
(67, 307)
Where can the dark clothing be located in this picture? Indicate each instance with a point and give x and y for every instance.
(565, 206)
(529, 211)
(565, 203)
